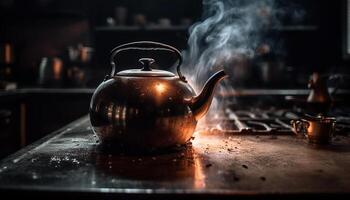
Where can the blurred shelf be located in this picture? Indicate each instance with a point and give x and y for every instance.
(142, 28)
(30, 15)
(185, 28)
(296, 28)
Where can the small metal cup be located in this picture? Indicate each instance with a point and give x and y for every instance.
(318, 130)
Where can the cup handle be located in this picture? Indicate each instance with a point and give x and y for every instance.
(300, 127)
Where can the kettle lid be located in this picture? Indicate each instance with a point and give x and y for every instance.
(146, 71)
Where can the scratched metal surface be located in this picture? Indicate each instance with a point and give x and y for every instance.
(215, 164)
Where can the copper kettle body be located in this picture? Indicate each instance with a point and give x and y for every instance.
(147, 108)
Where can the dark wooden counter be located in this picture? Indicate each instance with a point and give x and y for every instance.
(68, 163)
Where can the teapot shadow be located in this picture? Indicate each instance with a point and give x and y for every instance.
(165, 165)
(120, 149)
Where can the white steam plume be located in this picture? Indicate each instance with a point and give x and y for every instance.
(230, 32)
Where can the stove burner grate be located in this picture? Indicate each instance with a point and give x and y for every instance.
(265, 121)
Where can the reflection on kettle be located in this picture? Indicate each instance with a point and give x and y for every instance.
(168, 166)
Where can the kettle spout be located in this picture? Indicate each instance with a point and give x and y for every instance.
(201, 103)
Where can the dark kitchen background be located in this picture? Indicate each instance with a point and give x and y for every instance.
(55, 52)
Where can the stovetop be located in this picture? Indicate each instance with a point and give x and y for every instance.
(276, 120)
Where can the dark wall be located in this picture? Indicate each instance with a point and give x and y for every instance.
(41, 28)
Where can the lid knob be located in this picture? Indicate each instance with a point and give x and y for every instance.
(146, 62)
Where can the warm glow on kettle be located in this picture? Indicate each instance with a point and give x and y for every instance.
(160, 88)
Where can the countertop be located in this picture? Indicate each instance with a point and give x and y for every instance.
(24, 91)
(18, 94)
(69, 163)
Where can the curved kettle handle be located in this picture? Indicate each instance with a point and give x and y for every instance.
(146, 46)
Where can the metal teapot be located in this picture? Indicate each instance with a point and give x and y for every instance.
(147, 108)
(320, 99)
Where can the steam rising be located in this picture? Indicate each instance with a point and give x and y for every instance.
(230, 33)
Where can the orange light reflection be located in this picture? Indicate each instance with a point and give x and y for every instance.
(160, 88)
(199, 177)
